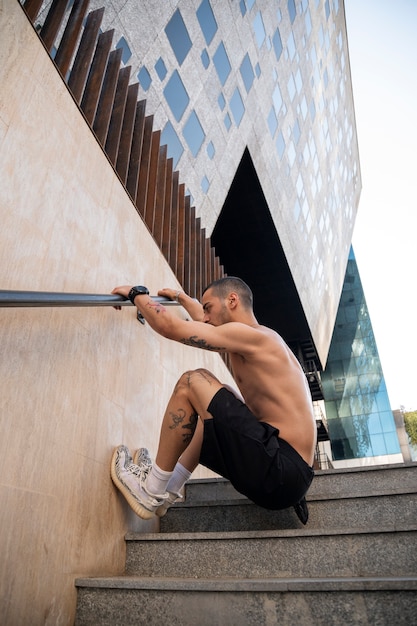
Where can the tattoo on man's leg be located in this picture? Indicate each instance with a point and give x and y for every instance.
(191, 426)
(177, 418)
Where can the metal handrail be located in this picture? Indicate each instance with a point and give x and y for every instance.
(11, 299)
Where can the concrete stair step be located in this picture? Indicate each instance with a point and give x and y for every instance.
(247, 602)
(344, 552)
(327, 484)
(241, 514)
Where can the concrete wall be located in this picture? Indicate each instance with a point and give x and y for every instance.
(74, 383)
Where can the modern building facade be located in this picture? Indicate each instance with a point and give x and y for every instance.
(361, 423)
(254, 101)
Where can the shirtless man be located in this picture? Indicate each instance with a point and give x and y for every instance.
(262, 441)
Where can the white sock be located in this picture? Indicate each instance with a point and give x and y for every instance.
(179, 477)
(157, 480)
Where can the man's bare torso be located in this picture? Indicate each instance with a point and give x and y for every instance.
(275, 389)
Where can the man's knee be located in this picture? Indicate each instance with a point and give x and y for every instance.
(194, 378)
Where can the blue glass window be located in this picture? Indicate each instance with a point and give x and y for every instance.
(160, 68)
(327, 9)
(211, 151)
(277, 99)
(291, 87)
(194, 133)
(144, 78)
(277, 43)
(126, 54)
(227, 121)
(247, 73)
(205, 59)
(272, 122)
(312, 110)
(250, 4)
(207, 21)
(296, 132)
(170, 138)
(176, 96)
(280, 144)
(222, 63)
(178, 37)
(242, 6)
(292, 10)
(291, 46)
(258, 70)
(237, 107)
(259, 28)
(205, 184)
(221, 102)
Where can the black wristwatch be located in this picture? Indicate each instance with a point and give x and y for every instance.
(139, 290)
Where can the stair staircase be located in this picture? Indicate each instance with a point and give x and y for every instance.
(221, 560)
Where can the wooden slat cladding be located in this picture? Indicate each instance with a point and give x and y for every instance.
(110, 105)
(70, 37)
(80, 68)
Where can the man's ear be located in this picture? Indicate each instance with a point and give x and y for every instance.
(233, 299)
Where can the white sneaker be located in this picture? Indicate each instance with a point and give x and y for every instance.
(172, 497)
(141, 457)
(130, 479)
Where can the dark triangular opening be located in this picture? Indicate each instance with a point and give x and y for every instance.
(248, 245)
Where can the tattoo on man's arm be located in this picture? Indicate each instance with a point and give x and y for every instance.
(156, 306)
(201, 343)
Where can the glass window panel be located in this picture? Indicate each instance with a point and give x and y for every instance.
(178, 36)
(277, 43)
(242, 6)
(126, 54)
(272, 122)
(277, 99)
(383, 401)
(205, 184)
(237, 107)
(374, 424)
(160, 68)
(170, 138)
(144, 78)
(207, 21)
(280, 144)
(291, 87)
(250, 4)
(296, 132)
(222, 63)
(378, 445)
(292, 10)
(211, 151)
(176, 96)
(391, 443)
(247, 73)
(387, 421)
(221, 102)
(259, 28)
(227, 121)
(205, 59)
(258, 70)
(194, 133)
(291, 46)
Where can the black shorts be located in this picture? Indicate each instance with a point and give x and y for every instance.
(249, 453)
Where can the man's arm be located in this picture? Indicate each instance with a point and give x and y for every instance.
(231, 337)
(192, 306)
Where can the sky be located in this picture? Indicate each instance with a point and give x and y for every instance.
(383, 57)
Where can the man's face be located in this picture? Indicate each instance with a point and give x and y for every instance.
(216, 312)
